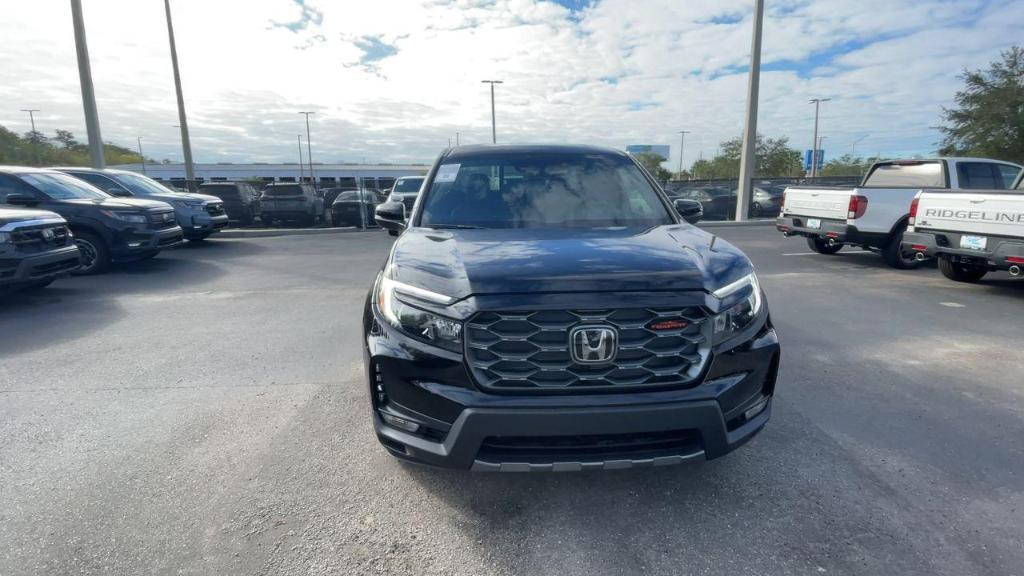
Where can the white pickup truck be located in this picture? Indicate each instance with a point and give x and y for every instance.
(874, 215)
(971, 233)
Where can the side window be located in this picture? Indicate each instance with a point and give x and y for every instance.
(1008, 174)
(977, 175)
(11, 185)
(102, 182)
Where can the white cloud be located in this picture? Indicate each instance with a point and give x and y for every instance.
(392, 80)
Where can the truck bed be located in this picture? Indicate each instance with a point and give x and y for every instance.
(984, 212)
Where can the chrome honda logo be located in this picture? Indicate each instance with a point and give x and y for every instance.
(594, 344)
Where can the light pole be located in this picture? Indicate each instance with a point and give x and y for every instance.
(456, 138)
(821, 143)
(494, 130)
(301, 174)
(186, 145)
(749, 158)
(35, 140)
(853, 147)
(141, 155)
(92, 118)
(682, 148)
(309, 150)
(814, 143)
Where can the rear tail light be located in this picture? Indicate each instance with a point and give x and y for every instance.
(913, 211)
(1014, 260)
(858, 205)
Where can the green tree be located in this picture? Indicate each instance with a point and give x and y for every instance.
(34, 148)
(66, 138)
(774, 159)
(988, 119)
(652, 163)
(847, 165)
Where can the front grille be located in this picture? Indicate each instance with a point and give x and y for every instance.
(162, 220)
(531, 350)
(65, 265)
(36, 239)
(215, 209)
(539, 449)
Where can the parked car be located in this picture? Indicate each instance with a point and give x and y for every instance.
(36, 247)
(330, 194)
(293, 202)
(241, 199)
(875, 214)
(718, 202)
(766, 200)
(345, 211)
(105, 228)
(199, 215)
(510, 329)
(406, 189)
(971, 233)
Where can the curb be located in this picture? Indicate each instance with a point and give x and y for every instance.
(271, 232)
(731, 224)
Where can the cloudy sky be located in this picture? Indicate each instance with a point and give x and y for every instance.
(392, 80)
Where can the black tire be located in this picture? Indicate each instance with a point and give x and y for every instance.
(959, 272)
(33, 286)
(95, 254)
(822, 247)
(756, 211)
(894, 254)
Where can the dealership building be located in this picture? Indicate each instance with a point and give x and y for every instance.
(370, 175)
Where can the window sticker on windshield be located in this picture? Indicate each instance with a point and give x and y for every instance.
(447, 173)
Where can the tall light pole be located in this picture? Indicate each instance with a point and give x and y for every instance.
(821, 145)
(301, 174)
(35, 140)
(494, 129)
(853, 147)
(92, 118)
(748, 160)
(456, 138)
(186, 145)
(141, 155)
(814, 143)
(309, 151)
(682, 148)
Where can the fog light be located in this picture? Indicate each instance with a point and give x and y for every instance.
(134, 244)
(401, 423)
(756, 409)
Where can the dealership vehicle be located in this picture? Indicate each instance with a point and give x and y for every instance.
(293, 202)
(971, 233)
(718, 202)
(105, 228)
(331, 193)
(548, 308)
(405, 190)
(875, 214)
(199, 215)
(345, 211)
(241, 199)
(766, 201)
(36, 248)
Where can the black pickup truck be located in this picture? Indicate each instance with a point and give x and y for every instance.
(36, 248)
(105, 229)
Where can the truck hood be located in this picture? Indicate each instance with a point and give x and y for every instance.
(121, 203)
(186, 196)
(11, 215)
(461, 263)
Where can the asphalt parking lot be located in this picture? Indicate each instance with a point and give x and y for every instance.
(204, 413)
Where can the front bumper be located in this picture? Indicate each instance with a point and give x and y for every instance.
(134, 243)
(838, 230)
(203, 225)
(1000, 254)
(39, 267)
(460, 426)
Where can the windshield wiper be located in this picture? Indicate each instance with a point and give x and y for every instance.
(454, 227)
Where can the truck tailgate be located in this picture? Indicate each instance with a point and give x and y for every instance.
(831, 203)
(984, 212)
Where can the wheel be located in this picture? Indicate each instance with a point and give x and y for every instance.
(38, 285)
(756, 211)
(94, 252)
(959, 272)
(894, 254)
(822, 247)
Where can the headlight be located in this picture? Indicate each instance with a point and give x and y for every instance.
(188, 205)
(394, 198)
(742, 314)
(419, 324)
(126, 216)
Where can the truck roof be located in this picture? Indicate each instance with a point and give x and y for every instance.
(948, 159)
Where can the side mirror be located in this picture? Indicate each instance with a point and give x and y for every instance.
(689, 210)
(390, 215)
(20, 199)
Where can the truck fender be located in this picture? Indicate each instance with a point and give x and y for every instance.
(903, 221)
(86, 226)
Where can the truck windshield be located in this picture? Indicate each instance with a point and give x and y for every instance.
(64, 187)
(542, 190)
(286, 190)
(222, 191)
(140, 185)
(407, 185)
(907, 175)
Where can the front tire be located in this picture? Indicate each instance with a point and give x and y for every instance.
(95, 254)
(894, 254)
(959, 272)
(821, 247)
